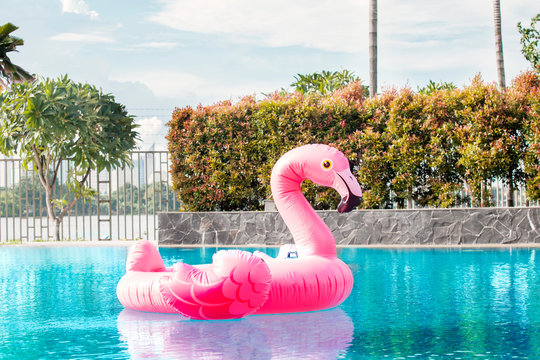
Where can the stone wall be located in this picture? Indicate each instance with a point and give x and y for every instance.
(363, 227)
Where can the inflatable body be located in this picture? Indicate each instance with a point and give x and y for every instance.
(308, 277)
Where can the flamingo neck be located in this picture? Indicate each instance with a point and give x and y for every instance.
(310, 234)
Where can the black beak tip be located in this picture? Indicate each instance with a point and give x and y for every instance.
(348, 203)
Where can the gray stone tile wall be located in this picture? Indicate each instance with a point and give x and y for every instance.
(362, 227)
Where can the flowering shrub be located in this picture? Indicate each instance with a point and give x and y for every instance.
(492, 142)
(222, 155)
(526, 93)
(404, 146)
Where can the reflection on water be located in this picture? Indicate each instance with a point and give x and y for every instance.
(318, 335)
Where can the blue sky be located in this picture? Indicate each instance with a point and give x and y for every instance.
(157, 55)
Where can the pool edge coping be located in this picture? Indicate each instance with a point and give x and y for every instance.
(128, 243)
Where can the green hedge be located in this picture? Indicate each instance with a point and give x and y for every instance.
(403, 145)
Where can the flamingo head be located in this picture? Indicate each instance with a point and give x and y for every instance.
(326, 166)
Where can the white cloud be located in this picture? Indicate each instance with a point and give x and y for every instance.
(152, 133)
(75, 37)
(190, 88)
(338, 25)
(164, 83)
(158, 45)
(78, 7)
(329, 25)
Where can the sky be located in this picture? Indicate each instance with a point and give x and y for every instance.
(156, 55)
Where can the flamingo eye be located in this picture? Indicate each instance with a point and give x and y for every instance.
(327, 164)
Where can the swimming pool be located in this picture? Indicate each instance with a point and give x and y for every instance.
(60, 303)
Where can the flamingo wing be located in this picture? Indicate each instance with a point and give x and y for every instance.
(237, 284)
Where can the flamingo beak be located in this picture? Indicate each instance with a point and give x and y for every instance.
(349, 189)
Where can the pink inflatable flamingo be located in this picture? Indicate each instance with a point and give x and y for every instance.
(239, 283)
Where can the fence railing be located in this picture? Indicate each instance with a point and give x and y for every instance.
(497, 194)
(126, 206)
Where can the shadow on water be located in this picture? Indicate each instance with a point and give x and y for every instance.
(316, 335)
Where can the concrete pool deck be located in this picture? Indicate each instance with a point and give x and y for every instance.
(128, 243)
(71, 243)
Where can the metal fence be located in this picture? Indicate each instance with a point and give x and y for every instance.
(497, 194)
(126, 206)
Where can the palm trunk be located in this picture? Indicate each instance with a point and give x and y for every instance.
(498, 43)
(372, 48)
(482, 191)
(510, 191)
(510, 196)
(410, 200)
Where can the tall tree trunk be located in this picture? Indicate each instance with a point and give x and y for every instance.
(510, 196)
(42, 169)
(482, 192)
(372, 48)
(52, 213)
(510, 191)
(57, 224)
(410, 204)
(498, 43)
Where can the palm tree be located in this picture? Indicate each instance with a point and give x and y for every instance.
(498, 43)
(10, 72)
(372, 47)
(502, 81)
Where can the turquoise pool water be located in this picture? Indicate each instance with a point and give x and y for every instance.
(60, 303)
